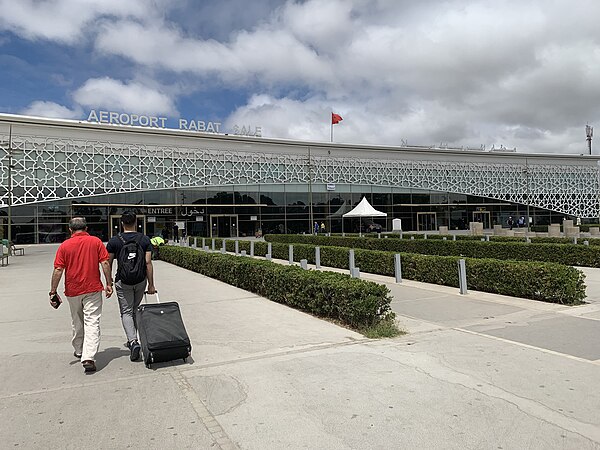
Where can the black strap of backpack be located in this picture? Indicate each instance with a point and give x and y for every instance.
(137, 239)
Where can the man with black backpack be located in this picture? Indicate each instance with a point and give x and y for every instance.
(133, 252)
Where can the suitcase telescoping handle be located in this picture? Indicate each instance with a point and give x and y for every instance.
(146, 297)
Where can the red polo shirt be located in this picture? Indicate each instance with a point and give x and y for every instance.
(80, 256)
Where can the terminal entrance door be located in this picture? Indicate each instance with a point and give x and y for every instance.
(115, 225)
(224, 225)
(426, 221)
(483, 217)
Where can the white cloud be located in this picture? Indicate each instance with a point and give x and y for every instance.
(51, 109)
(63, 20)
(522, 73)
(288, 118)
(117, 96)
(273, 56)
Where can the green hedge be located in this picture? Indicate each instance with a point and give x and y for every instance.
(356, 303)
(468, 237)
(544, 228)
(549, 282)
(572, 255)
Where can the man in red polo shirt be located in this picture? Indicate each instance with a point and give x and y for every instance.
(79, 258)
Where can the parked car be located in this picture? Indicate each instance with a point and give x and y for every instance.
(368, 226)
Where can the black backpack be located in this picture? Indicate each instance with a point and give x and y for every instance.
(131, 268)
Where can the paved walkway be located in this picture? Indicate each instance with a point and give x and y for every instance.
(478, 371)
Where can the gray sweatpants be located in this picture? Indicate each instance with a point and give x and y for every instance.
(130, 296)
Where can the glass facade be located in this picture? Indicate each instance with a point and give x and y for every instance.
(254, 210)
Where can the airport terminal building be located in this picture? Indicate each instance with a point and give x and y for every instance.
(218, 185)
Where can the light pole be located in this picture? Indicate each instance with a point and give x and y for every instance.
(310, 198)
(10, 152)
(528, 194)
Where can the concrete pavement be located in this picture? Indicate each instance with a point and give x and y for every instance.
(477, 371)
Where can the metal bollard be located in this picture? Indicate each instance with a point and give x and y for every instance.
(224, 249)
(205, 248)
(412, 238)
(462, 276)
(528, 240)
(304, 264)
(194, 244)
(398, 268)
(237, 247)
(445, 238)
(487, 238)
(213, 245)
(453, 237)
(251, 248)
(482, 239)
(318, 257)
(425, 236)
(268, 256)
(378, 235)
(203, 242)
(291, 254)
(586, 242)
(351, 263)
(355, 272)
(269, 250)
(243, 253)
(575, 240)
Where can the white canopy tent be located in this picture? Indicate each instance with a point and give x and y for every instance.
(343, 208)
(364, 209)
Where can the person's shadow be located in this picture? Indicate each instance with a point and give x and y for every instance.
(104, 357)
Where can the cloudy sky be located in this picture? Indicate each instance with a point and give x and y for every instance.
(518, 73)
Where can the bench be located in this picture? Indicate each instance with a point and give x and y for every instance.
(16, 250)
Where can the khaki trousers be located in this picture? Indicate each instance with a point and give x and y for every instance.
(86, 310)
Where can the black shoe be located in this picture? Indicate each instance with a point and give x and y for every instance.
(89, 366)
(77, 355)
(135, 348)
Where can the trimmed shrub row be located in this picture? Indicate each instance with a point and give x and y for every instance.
(468, 237)
(544, 228)
(549, 282)
(572, 255)
(353, 302)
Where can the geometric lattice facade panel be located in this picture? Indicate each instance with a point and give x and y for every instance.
(49, 168)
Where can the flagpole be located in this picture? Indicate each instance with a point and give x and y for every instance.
(331, 125)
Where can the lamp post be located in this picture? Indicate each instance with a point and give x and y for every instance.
(310, 197)
(528, 193)
(10, 152)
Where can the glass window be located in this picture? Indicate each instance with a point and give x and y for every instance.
(219, 197)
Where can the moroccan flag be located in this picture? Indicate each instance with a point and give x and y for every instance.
(336, 118)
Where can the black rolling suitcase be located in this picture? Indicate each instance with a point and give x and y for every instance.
(162, 333)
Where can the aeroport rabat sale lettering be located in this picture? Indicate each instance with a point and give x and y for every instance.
(141, 120)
